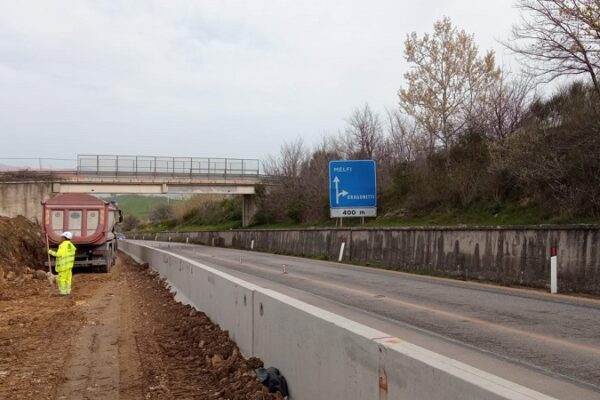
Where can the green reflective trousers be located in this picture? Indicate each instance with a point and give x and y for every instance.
(64, 281)
(65, 258)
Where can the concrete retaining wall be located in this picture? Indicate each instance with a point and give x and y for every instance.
(24, 198)
(508, 255)
(322, 355)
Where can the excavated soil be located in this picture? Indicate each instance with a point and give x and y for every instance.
(21, 247)
(119, 335)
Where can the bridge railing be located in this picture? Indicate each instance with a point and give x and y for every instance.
(36, 164)
(151, 166)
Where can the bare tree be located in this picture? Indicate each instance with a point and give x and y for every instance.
(559, 38)
(363, 134)
(289, 161)
(403, 140)
(447, 79)
(315, 180)
(286, 200)
(506, 106)
(555, 157)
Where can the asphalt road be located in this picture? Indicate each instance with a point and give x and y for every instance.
(547, 342)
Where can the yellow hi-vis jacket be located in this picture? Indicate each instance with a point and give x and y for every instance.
(65, 256)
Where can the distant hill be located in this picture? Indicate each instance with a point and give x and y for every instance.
(137, 205)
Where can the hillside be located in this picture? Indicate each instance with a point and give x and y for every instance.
(138, 205)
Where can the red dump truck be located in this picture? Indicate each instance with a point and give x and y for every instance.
(92, 222)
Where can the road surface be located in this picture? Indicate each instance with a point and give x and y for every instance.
(550, 343)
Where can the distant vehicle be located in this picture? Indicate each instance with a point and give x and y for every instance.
(120, 236)
(92, 222)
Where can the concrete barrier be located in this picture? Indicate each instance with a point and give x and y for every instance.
(223, 298)
(518, 255)
(322, 355)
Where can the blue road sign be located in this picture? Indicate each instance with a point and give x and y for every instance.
(352, 188)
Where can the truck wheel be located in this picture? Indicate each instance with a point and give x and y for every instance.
(108, 262)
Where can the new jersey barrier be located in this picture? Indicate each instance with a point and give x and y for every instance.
(322, 355)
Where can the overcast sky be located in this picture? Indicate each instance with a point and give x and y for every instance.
(207, 78)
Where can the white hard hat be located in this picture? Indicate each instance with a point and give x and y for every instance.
(67, 235)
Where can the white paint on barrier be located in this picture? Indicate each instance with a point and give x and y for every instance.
(319, 359)
(435, 372)
(231, 278)
(441, 368)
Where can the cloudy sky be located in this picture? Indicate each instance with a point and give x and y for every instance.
(205, 78)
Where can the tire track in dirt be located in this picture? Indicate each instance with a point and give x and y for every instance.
(130, 372)
(35, 335)
(92, 370)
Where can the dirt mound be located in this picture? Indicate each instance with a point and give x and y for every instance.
(192, 358)
(21, 247)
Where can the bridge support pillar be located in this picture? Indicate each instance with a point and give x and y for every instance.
(249, 209)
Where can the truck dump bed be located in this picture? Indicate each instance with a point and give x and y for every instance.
(90, 219)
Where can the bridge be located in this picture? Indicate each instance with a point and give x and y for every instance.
(21, 191)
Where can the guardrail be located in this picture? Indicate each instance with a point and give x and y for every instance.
(17, 163)
(155, 166)
(135, 167)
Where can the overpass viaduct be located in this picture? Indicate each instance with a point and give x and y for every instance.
(22, 191)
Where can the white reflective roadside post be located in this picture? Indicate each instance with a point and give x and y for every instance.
(553, 271)
(341, 251)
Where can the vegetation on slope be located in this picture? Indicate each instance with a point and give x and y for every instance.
(469, 142)
(138, 206)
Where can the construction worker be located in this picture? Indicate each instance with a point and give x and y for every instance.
(65, 258)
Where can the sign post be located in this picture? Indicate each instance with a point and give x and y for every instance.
(352, 189)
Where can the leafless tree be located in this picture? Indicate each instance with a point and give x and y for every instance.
(506, 105)
(315, 180)
(363, 134)
(559, 38)
(403, 140)
(289, 161)
(555, 156)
